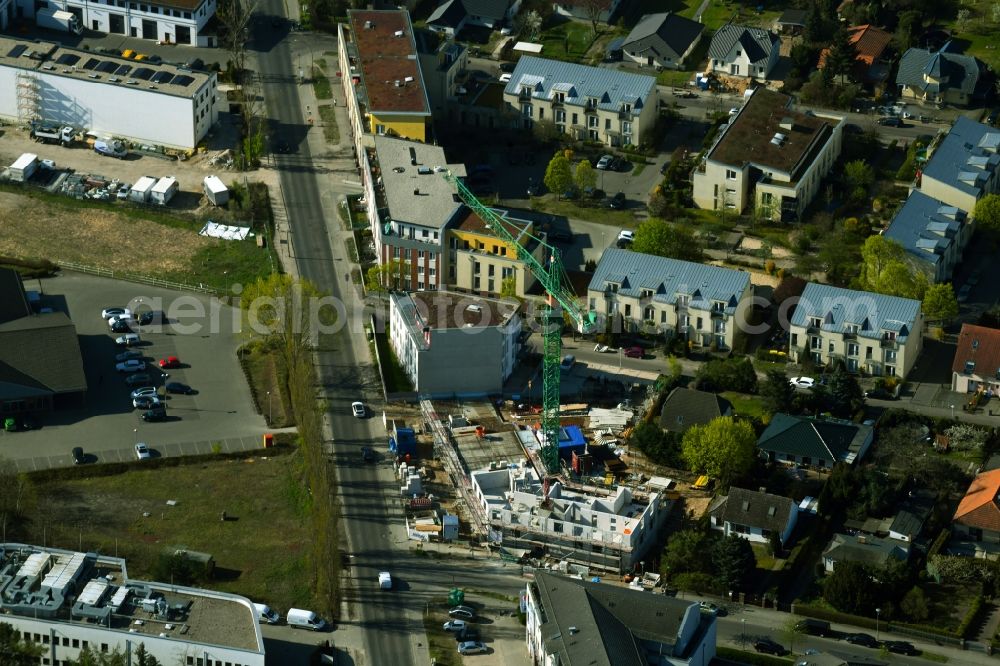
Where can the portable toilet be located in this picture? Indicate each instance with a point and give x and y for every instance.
(215, 190)
(140, 192)
(164, 190)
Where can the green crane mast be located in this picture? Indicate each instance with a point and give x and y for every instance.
(560, 299)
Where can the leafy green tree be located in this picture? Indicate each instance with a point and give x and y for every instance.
(15, 650)
(987, 213)
(584, 175)
(851, 588)
(91, 657)
(660, 446)
(839, 62)
(914, 605)
(859, 176)
(940, 303)
(685, 553)
(558, 174)
(384, 277)
(508, 287)
(657, 237)
(845, 394)
(729, 374)
(886, 270)
(724, 448)
(907, 27)
(777, 393)
(143, 658)
(734, 561)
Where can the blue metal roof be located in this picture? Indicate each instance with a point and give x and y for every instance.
(967, 157)
(611, 87)
(634, 272)
(871, 313)
(926, 227)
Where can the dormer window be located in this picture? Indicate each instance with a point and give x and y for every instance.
(626, 108)
(526, 91)
(591, 102)
(815, 322)
(852, 329)
(646, 293)
(970, 367)
(611, 286)
(718, 306)
(889, 335)
(682, 299)
(560, 97)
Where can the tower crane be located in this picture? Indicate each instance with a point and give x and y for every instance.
(559, 300)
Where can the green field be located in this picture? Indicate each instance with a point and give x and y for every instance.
(569, 40)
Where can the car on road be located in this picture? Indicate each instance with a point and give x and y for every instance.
(620, 164)
(890, 121)
(148, 317)
(626, 236)
(634, 352)
(802, 382)
(768, 646)
(358, 409)
(505, 78)
(901, 647)
(454, 625)
(128, 340)
(567, 362)
(131, 365)
(813, 627)
(605, 162)
(617, 202)
(177, 387)
(864, 640)
(384, 580)
(154, 415)
(142, 451)
(472, 647)
(128, 355)
(170, 362)
(367, 454)
(462, 613)
(712, 609)
(78, 457)
(108, 313)
(139, 379)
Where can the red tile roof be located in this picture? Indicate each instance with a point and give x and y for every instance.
(979, 506)
(869, 43)
(388, 59)
(980, 345)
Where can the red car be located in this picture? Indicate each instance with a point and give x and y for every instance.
(170, 362)
(635, 352)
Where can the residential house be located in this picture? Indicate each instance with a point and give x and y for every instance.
(451, 16)
(933, 234)
(662, 40)
(740, 50)
(943, 77)
(964, 166)
(589, 103)
(768, 158)
(383, 82)
(869, 44)
(184, 22)
(601, 11)
(434, 332)
(976, 523)
(41, 367)
(696, 302)
(909, 520)
(571, 622)
(684, 407)
(792, 21)
(756, 516)
(609, 531)
(976, 366)
(811, 442)
(481, 263)
(871, 333)
(442, 67)
(871, 551)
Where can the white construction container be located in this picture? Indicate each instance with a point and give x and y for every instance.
(215, 190)
(164, 190)
(140, 192)
(24, 167)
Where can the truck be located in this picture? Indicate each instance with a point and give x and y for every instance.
(384, 580)
(304, 619)
(23, 168)
(57, 19)
(111, 148)
(49, 133)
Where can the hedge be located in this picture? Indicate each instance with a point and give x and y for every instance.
(971, 616)
(939, 542)
(915, 630)
(745, 657)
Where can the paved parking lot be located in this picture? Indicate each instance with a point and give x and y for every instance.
(220, 416)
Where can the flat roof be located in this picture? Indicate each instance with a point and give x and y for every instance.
(390, 69)
(446, 309)
(66, 586)
(417, 193)
(57, 60)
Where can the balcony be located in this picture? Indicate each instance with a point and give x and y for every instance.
(850, 335)
(718, 314)
(889, 343)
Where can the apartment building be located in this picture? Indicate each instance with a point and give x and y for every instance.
(769, 158)
(933, 233)
(454, 344)
(612, 532)
(66, 602)
(481, 263)
(589, 103)
(964, 166)
(169, 21)
(870, 333)
(703, 304)
(441, 68)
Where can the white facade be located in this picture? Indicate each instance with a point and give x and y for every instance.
(161, 114)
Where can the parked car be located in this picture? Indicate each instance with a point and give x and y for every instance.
(143, 390)
(128, 355)
(358, 409)
(626, 236)
(148, 317)
(890, 121)
(154, 415)
(568, 361)
(813, 627)
(146, 401)
(170, 362)
(768, 646)
(142, 451)
(472, 647)
(123, 190)
(177, 387)
(802, 382)
(462, 613)
(120, 327)
(367, 454)
(128, 340)
(712, 609)
(139, 379)
(78, 457)
(864, 640)
(454, 625)
(901, 647)
(634, 352)
(108, 313)
(605, 162)
(127, 318)
(507, 67)
(618, 201)
(619, 164)
(131, 365)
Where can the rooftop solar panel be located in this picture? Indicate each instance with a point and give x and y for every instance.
(91, 64)
(68, 59)
(162, 77)
(17, 50)
(144, 73)
(107, 66)
(182, 80)
(123, 70)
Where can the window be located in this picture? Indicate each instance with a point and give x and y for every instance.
(970, 367)
(890, 356)
(626, 108)
(628, 310)
(645, 293)
(560, 97)
(575, 121)
(541, 112)
(607, 124)
(593, 121)
(557, 528)
(815, 322)
(423, 233)
(730, 174)
(682, 300)
(420, 254)
(76, 643)
(852, 350)
(560, 116)
(851, 328)
(815, 343)
(830, 347)
(612, 287)
(526, 110)
(663, 317)
(591, 103)
(795, 339)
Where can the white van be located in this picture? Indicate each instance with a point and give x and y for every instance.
(304, 619)
(266, 614)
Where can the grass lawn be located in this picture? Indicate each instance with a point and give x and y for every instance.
(264, 367)
(396, 380)
(328, 118)
(675, 78)
(441, 644)
(549, 204)
(569, 40)
(321, 84)
(225, 263)
(745, 404)
(260, 552)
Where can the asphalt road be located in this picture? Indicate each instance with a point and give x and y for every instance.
(342, 376)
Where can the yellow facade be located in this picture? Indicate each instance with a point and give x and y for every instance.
(407, 126)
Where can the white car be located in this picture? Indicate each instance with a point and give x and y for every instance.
(358, 409)
(605, 162)
(131, 365)
(626, 235)
(802, 382)
(142, 451)
(384, 580)
(143, 390)
(505, 78)
(127, 318)
(108, 313)
(127, 340)
(455, 625)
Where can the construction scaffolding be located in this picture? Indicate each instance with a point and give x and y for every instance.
(28, 97)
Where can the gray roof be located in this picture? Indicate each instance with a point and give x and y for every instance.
(435, 205)
(910, 518)
(40, 354)
(757, 43)
(451, 12)
(756, 509)
(867, 550)
(820, 439)
(796, 17)
(953, 70)
(871, 313)
(605, 625)
(13, 304)
(966, 158)
(610, 87)
(926, 227)
(634, 272)
(664, 34)
(685, 407)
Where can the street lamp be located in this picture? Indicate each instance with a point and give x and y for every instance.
(743, 635)
(953, 412)
(269, 413)
(878, 613)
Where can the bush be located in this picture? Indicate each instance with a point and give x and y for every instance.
(731, 374)
(699, 583)
(971, 617)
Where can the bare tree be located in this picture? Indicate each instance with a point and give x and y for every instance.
(236, 15)
(593, 10)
